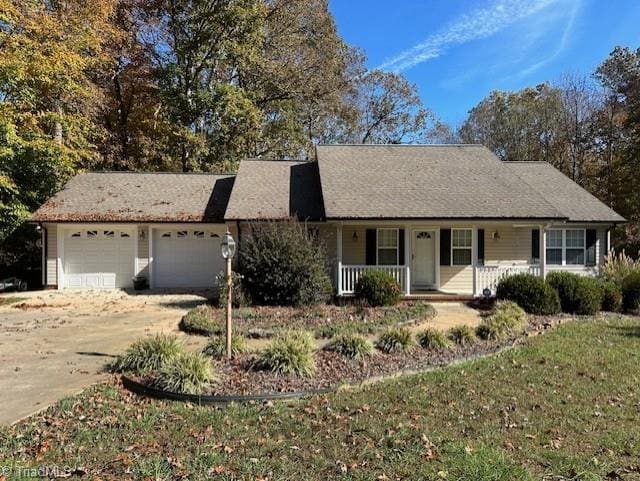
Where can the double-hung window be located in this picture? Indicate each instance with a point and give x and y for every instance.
(387, 249)
(461, 245)
(566, 247)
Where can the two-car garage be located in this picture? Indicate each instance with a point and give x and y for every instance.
(108, 257)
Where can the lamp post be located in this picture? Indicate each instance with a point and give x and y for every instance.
(228, 250)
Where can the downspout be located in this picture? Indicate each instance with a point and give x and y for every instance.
(43, 232)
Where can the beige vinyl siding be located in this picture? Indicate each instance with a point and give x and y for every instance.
(512, 245)
(52, 254)
(354, 251)
(456, 279)
(143, 251)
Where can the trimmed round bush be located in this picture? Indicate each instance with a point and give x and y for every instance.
(352, 346)
(462, 335)
(188, 373)
(565, 284)
(505, 318)
(217, 346)
(282, 265)
(395, 339)
(201, 321)
(611, 296)
(529, 292)
(433, 339)
(149, 354)
(631, 292)
(378, 288)
(290, 353)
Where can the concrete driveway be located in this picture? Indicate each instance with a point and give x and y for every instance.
(56, 343)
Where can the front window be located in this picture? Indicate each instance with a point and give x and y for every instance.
(461, 247)
(388, 247)
(566, 247)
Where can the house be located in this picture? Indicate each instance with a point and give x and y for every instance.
(447, 218)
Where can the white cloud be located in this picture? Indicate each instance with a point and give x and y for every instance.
(474, 25)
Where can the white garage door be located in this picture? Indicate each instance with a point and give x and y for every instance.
(186, 258)
(98, 258)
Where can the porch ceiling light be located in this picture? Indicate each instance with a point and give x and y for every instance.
(228, 246)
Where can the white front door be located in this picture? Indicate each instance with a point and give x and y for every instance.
(423, 265)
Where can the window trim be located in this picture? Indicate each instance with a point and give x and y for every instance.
(564, 247)
(470, 248)
(397, 247)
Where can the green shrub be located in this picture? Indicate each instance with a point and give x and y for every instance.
(147, 355)
(188, 373)
(201, 320)
(529, 292)
(462, 335)
(239, 297)
(395, 339)
(282, 265)
(631, 292)
(505, 318)
(611, 296)
(433, 339)
(291, 352)
(565, 284)
(217, 346)
(377, 288)
(352, 346)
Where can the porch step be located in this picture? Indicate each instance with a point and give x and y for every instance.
(439, 297)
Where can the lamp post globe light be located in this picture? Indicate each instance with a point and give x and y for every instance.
(228, 250)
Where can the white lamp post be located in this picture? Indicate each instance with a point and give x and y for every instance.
(228, 250)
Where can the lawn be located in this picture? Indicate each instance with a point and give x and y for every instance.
(8, 300)
(564, 406)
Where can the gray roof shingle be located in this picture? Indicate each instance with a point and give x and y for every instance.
(574, 202)
(139, 197)
(276, 189)
(425, 182)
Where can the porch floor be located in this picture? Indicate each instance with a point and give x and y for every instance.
(437, 296)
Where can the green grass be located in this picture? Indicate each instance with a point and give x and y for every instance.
(564, 406)
(6, 301)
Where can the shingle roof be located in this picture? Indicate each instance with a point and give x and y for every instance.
(426, 182)
(139, 197)
(276, 189)
(574, 202)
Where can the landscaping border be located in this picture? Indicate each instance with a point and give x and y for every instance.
(209, 400)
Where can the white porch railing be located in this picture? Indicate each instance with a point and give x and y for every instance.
(487, 277)
(349, 275)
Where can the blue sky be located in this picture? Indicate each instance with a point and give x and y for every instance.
(457, 51)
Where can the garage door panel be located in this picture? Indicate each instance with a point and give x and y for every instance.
(98, 259)
(186, 261)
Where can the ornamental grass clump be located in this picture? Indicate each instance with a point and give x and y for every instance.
(351, 345)
(462, 335)
(290, 353)
(188, 373)
(395, 339)
(619, 266)
(433, 339)
(201, 320)
(217, 346)
(148, 355)
(505, 318)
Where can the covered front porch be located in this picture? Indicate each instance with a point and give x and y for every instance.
(452, 260)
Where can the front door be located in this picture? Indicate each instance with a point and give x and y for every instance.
(423, 266)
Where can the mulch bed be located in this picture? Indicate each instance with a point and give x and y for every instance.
(333, 370)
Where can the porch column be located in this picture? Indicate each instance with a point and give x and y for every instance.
(150, 260)
(408, 255)
(543, 251)
(339, 258)
(474, 257)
